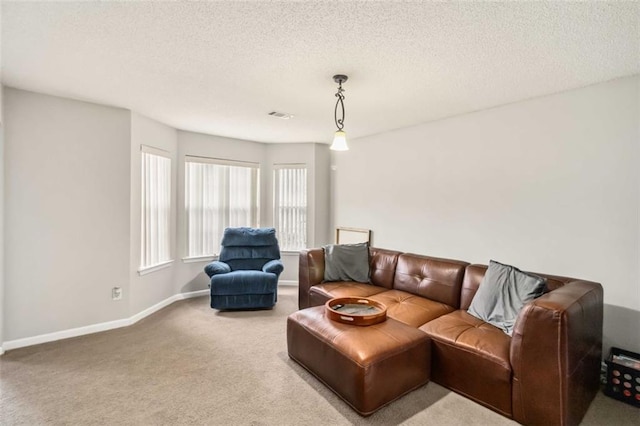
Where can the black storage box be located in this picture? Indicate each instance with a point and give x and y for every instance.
(623, 376)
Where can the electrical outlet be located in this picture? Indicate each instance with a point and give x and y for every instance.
(116, 293)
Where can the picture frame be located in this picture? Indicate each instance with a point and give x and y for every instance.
(346, 235)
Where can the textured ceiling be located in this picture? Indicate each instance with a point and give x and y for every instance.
(220, 67)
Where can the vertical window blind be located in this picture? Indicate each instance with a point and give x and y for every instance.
(156, 207)
(290, 202)
(218, 194)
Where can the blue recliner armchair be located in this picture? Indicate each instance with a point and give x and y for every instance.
(246, 274)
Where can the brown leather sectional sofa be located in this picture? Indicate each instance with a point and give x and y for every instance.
(546, 373)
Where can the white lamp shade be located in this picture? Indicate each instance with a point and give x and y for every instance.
(339, 141)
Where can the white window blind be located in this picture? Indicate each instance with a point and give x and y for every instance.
(218, 194)
(156, 207)
(290, 202)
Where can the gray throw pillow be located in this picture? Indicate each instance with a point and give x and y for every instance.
(346, 262)
(502, 293)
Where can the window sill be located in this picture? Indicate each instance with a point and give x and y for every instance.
(290, 251)
(194, 259)
(149, 269)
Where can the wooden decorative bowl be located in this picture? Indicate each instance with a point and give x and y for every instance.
(356, 310)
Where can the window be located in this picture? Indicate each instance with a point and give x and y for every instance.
(290, 201)
(218, 194)
(156, 208)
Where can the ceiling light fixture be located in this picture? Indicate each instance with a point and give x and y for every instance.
(340, 137)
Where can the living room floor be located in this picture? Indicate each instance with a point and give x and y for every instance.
(189, 364)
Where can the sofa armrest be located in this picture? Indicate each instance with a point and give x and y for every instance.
(556, 351)
(216, 268)
(310, 273)
(273, 266)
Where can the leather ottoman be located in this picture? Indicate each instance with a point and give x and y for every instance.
(369, 366)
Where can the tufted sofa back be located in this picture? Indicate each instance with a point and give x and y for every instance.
(448, 281)
(382, 266)
(431, 277)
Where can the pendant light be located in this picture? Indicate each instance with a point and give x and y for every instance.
(340, 137)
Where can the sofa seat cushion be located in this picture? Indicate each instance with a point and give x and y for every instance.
(410, 309)
(472, 334)
(319, 294)
(471, 357)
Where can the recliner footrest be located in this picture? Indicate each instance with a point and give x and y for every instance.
(243, 301)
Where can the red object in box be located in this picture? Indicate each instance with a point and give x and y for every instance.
(623, 366)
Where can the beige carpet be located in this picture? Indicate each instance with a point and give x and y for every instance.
(189, 364)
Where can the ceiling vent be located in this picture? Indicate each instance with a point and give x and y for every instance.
(282, 115)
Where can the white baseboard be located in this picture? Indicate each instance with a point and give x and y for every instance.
(288, 282)
(166, 302)
(95, 328)
(65, 334)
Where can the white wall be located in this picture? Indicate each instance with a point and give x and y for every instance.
(324, 233)
(2, 308)
(147, 290)
(67, 183)
(549, 185)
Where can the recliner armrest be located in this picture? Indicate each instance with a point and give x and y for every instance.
(274, 266)
(216, 268)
